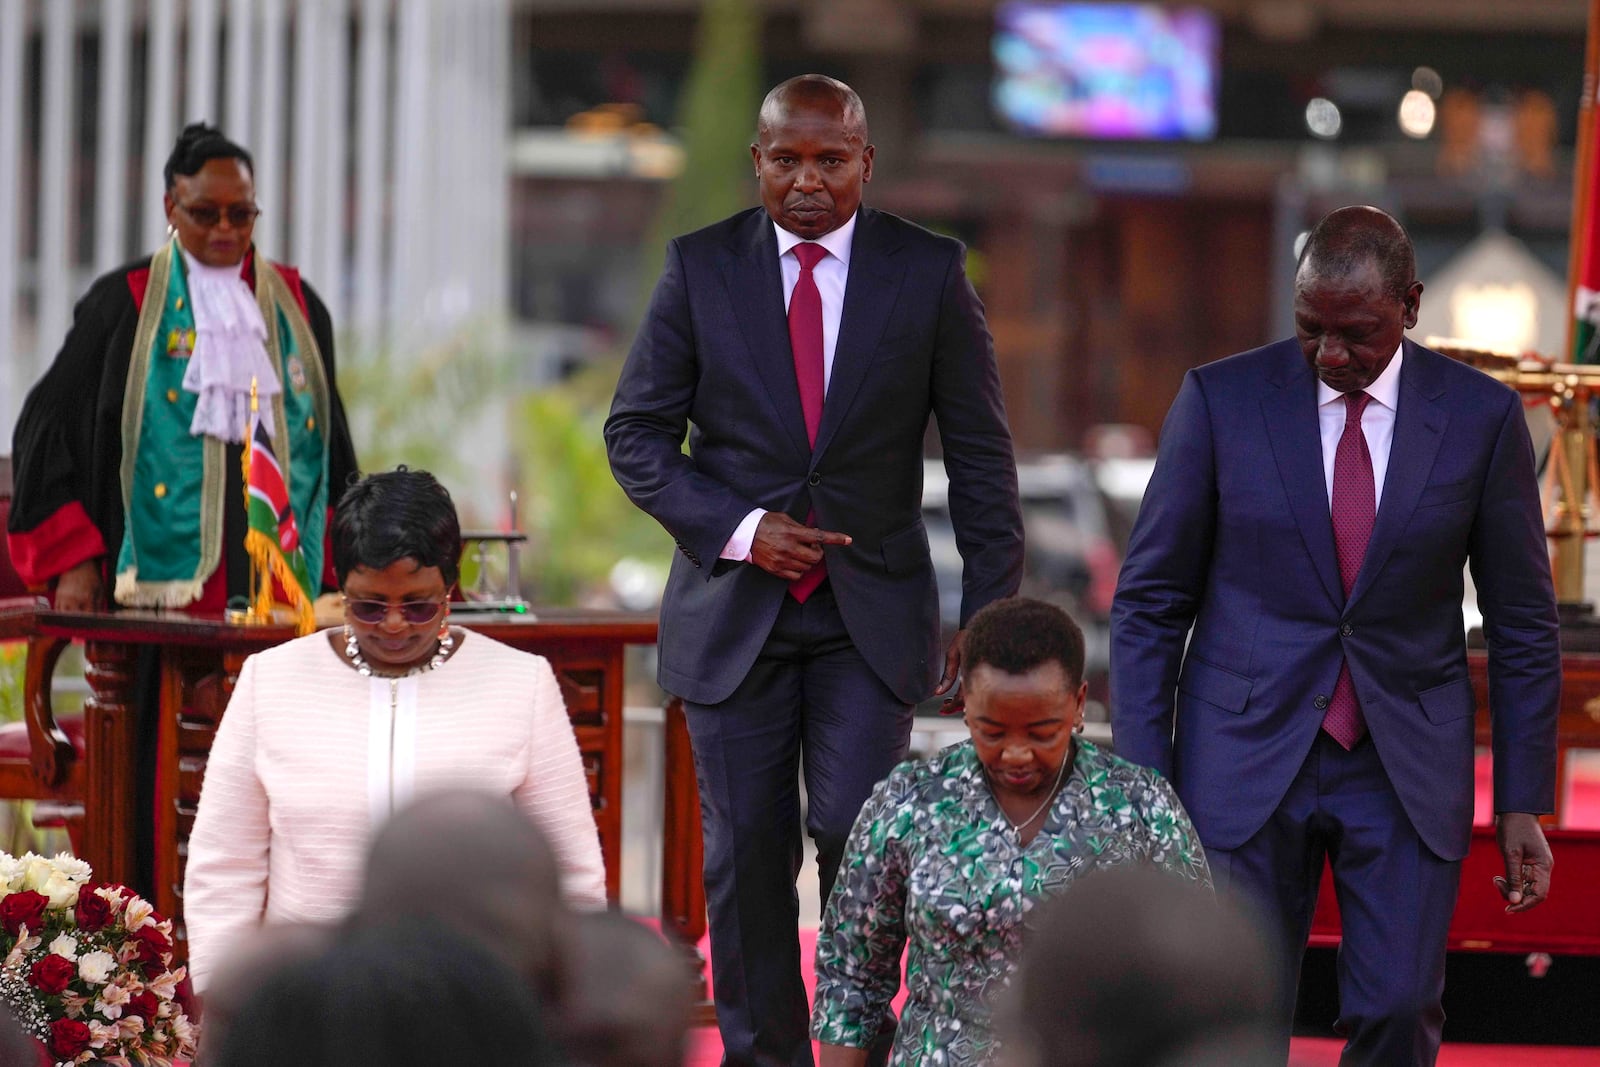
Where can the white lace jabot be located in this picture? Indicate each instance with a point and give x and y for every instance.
(230, 349)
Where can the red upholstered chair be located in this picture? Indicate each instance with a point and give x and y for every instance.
(41, 758)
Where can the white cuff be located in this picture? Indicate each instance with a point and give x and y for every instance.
(738, 546)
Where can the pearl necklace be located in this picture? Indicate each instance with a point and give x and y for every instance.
(352, 650)
(1061, 774)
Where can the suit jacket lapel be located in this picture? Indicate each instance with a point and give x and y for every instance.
(1291, 415)
(1418, 430)
(755, 287)
(869, 296)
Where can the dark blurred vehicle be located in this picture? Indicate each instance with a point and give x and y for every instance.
(1071, 556)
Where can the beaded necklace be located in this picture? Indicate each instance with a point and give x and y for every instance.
(352, 651)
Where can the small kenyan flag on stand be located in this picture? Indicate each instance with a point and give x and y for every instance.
(1583, 261)
(273, 537)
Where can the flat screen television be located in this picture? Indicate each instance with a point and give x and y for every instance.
(1125, 71)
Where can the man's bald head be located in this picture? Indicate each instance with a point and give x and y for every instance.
(814, 92)
(473, 861)
(1346, 239)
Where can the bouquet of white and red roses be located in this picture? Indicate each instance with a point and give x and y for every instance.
(86, 968)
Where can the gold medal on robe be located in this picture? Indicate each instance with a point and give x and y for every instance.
(297, 374)
(180, 343)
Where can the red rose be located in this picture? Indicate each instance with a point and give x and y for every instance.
(144, 1005)
(153, 945)
(68, 1038)
(23, 909)
(94, 912)
(52, 974)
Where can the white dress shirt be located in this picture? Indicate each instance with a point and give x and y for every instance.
(1377, 424)
(830, 273)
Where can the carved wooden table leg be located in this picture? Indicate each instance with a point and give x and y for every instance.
(683, 891)
(110, 729)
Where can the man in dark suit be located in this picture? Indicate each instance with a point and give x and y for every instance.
(800, 617)
(1312, 509)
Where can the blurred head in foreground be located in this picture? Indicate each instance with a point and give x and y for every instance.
(631, 995)
(473, 862)
(1138, 968)
(406, 994)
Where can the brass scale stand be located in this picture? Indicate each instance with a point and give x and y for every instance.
(1571, 490)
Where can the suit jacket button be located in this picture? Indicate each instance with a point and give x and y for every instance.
(1321, 702)
(1346, 630)
(815, 479)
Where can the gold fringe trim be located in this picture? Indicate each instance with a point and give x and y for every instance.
(270, 564)
(132, 593)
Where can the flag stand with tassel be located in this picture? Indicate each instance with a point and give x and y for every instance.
(272, 537)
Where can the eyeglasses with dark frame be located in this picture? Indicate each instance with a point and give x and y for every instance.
(374, 612)
(208, 215)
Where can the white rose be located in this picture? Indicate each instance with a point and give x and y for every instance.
(62, 891)
(65, 946)
(96, 967)
(36, 871)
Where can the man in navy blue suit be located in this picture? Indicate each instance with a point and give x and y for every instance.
(803, 347)
(1305, 531)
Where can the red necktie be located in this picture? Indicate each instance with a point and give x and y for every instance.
(1355, 506)
(805, 340)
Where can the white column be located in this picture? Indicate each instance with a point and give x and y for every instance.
(496, 174)
(271, 179)
(111, 168)
(328, 270)
(304, 224)
(15, 373)
(159, 131)
(409, 247)
(240, 72)
(372, 182)
(55, 170)
(200, 101)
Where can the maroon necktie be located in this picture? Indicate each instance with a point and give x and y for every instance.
(805, 340)
(1355, 505)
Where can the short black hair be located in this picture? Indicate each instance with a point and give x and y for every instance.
(406, 994)
(1017, 634)
(395, 515)
(1345, 239)
(197, 145)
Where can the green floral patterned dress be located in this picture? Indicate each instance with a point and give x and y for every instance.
(932, 861)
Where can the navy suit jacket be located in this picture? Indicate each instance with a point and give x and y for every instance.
(1234, 538)
(713, 358)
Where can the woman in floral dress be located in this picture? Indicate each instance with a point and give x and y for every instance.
(951, 854)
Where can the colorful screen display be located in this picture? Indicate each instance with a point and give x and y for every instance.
(1117, 71)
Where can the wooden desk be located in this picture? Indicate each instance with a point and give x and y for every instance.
(200, 660)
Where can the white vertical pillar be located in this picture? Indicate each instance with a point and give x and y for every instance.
(304, 223)
(159, 131)
(409, 248)
(14, 373)
(55, 169)
(328, 269)
(496, 173)
(200, 101)
(271, 180)
(240, 73)
(111, 169)
(371, 184)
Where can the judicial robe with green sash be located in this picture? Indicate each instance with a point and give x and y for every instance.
(109, 423)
